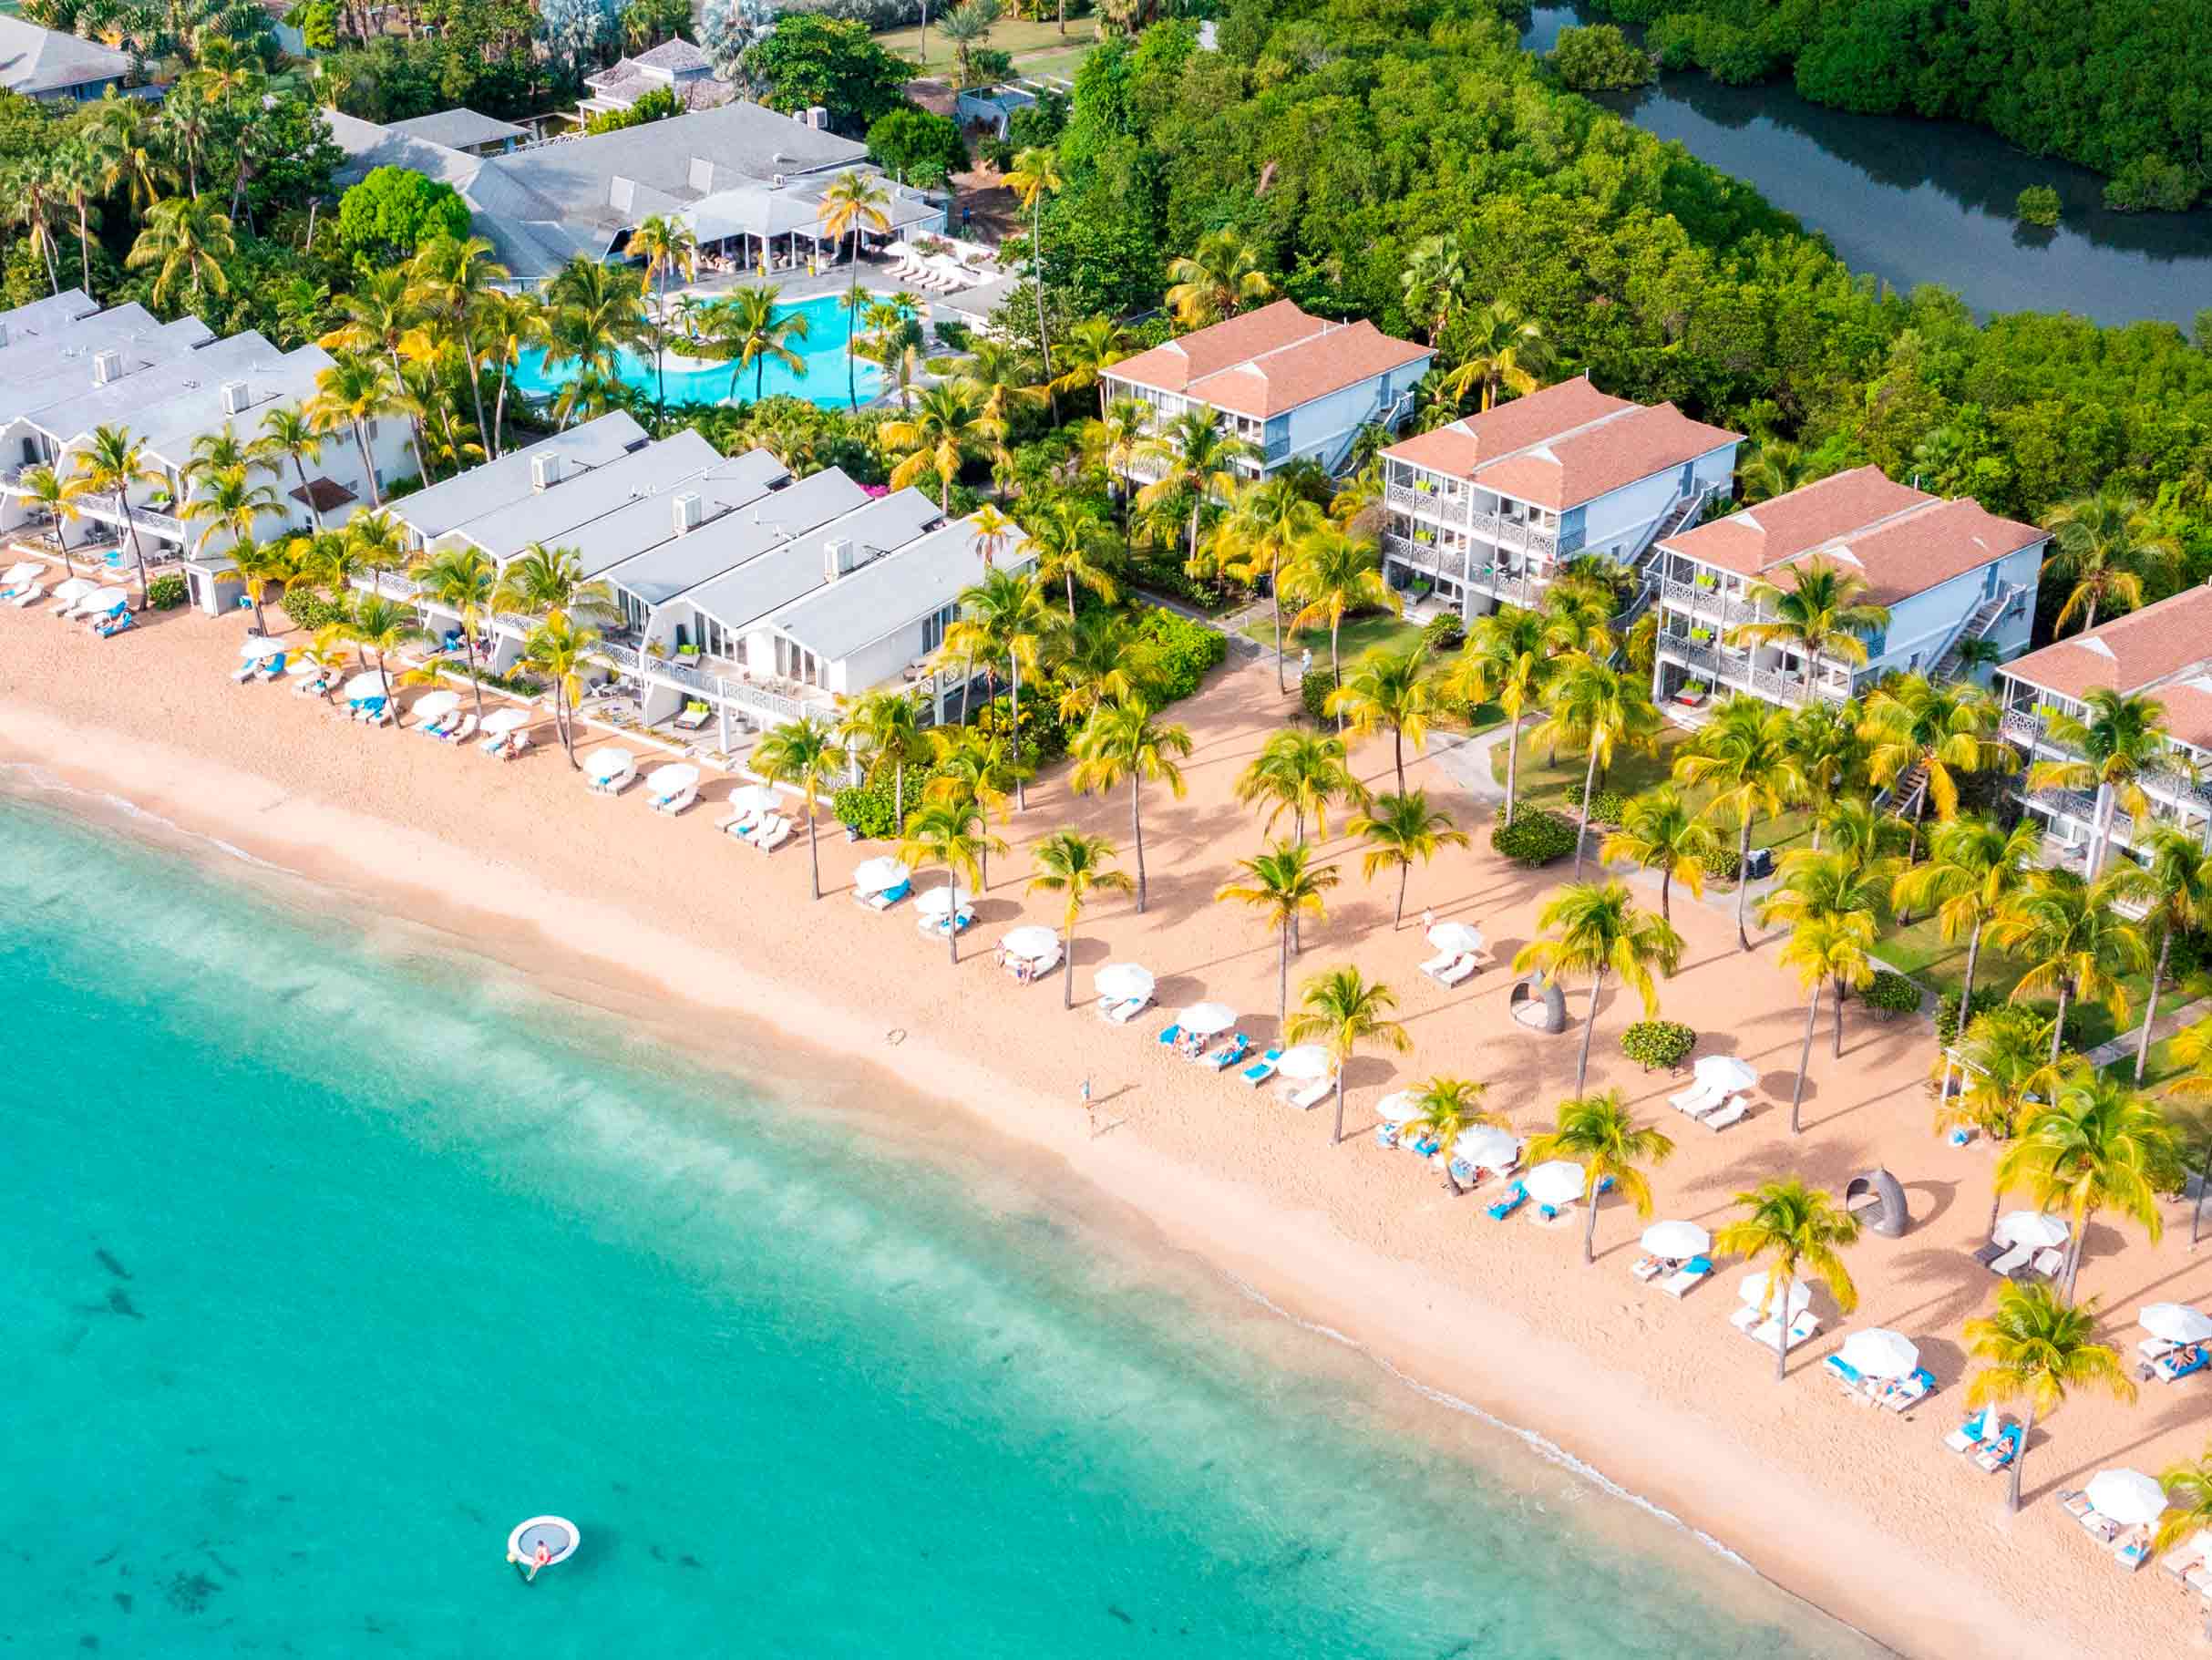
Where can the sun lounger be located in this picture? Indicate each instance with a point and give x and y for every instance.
(2132, 1550)
(2075, 1503)
(1979, 1430)
(1999, 1450)
(1697, 1101)
(2050, 1262)
(517, 742)
(1386, 1136)
(1305, 1096)
(29, 595)
(1691, 1272)
(1261, 1070)
(1843, 1370)
(1231, 1054)
(2182, 1363)
(246, 671)
(1511, 1201)
(1461, 968)
(1903, 1394)
(773, 834)
(2019, 1256)
(2152, 1349)
(463, 732)
(1168, 1035)
(889, 897)
(121, 621)
(1803, 1329)
(1467, 1175)
(1988, 1255)
(694, 715)
(1436, 964)
(1734, 1113)
(1746, 1319)
(274, 669)
(1424, 1145)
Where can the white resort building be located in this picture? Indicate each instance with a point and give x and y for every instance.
(1487, 510)
(1947, 570)
(1295, 387)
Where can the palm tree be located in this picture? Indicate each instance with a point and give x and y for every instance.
(256, 564)
(186, 242)
(855, 202)
(1499, 350)
(1399, 830)
(1800, 1232)
(664, 245)
(1115, 444)
(1196, 459)
(1100, 658)
(2189, 1506)
(2004, 1061)
(49, 492)
(111, 463)
(1837, 888)
(2177, 883)
(354, 391)
(2034, 1348)
(1282, 885)
(1341, 1010)
(1939, 730)
(461, 579)
(228, 503)
(1823, 614)
(1435, 274)
(1076, 866)
(2098, 1146)
(1004, 618)
(2074, 940)
(2192, 1051)
(1389, 690)
(509, 323)
(1036, 176)
(1301, 773)
(2118, 740)
(1267, 519)
(289, 433)
(379, 626)
(751, 326)
(952, 833)
(943, 429)
(1974, 868)
(1742, 755)
(555, 649)
(2102, 543)
(885, 724)
(1505, 661)
(1658, 833)
(1599, 1132)
(979, 767)
(539, 581)
(1594, 929)
(1091, 347)
(1597, 707)
(450, 282)
(1121, 741)
(77, 169)
(1333, 571)
(1773, 468)
(804, 752)
(1829, 753)
(1821, 948)
(1071, 547)
(1216, 279)
(1450, 1107)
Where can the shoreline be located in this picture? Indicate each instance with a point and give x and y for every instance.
(1329, 1236)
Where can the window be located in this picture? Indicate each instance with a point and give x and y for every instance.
(933, 628)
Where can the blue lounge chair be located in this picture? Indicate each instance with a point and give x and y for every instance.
(1844, 1369)
(1232, 1055)
(2174, 1368)
(1261, 1070)
(1515, 1197)
(1978, 1427)
(1386, 1135)
(1998, 1454)
(1464, 1173)
(117, 623)
(1426, 1145)
(1168, 1035)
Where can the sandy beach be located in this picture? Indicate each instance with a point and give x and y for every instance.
(1863, 1512)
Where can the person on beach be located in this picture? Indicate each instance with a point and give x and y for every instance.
(1090, 1113)
(1428, 919)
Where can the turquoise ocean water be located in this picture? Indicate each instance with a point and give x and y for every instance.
(323, 1263)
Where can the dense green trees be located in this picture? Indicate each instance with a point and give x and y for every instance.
(811, 59)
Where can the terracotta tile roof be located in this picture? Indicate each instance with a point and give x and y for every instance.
(1902, 540)
(2128, 653)
(1564, 444)
(1307, 369)
(1173, 367)
(2188, 710)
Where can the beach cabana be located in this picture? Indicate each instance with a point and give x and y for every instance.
(1878, 1199)
(1539, 1003)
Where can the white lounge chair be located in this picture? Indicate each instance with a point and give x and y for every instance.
(676, 802)
(517, 742)
(463, 732)
(740, 825)
(1462, 967)
(1803, 1329)
(1680, 1282)
(1735, 1112)
(2018, 1256)
(246, 670)
(1697, 1101)
(2049, 1262)
(1127, 1010)
(30, 595)
(1305, 1096)
(1436, 964)
(271, 669)
(773, 834)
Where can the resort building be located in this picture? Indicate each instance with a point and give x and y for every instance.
(464, 130)
(675, 67)
(748, 182)
(1947, 571)
(1295, 387)
(1487, 508)
(57, 67)
(2163, 652)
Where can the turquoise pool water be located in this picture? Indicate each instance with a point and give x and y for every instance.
(323, 1264)
(821, 380)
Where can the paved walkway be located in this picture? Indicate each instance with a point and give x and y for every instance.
(2122, 1047)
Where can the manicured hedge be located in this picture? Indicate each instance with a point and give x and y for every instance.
(1183, 651)
(1606, 808)
(1534, 837)
(1658, 1042)
(165, 593)
(1892, 993)
(1722, 865)
(1313, 693)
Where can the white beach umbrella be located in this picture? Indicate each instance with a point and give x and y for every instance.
(430, 706)
(1488, 1146)
(754, 798)
(1725, 1072)
(1557, 1181)
(2176, 1323)
(2128, 1496)
(1878, 1353)
(1755, 1291)
(878, 875)
(1206, 1019)
(364, 686)
(1399, 1107)
(1455, 936)
(299, 662)
(1307, 1062)
(1677, 1241)
(500, 722)
(106, 599)
(937, 900)
(1031, 943)
(22, 573)
(2039, 1229)
(667, 781)
(602, 764)
(72, 589)
(254, 647)
(1123, 982)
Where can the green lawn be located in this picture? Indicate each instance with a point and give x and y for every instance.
(1545, 784)
(1008, 34)
(1357, 635)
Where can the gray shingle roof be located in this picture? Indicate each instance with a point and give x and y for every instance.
(674, 56)
(458, 128)
(496, 484)
(893, 594)
(563, 516)
(784, 556)
(39, 371)
(139, 395)
(33, 59)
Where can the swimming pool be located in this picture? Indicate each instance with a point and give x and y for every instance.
(822, 380)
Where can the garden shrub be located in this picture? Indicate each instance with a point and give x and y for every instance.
(165, 593)
(1722, 865)
(870, 808)
(1605, 808)
(1443, 632)
(1658, 1042)
(1043, 736)
(1986, 997)
(308, 609)
(1891, 994)
(1183, 651)
(1313, 693)
(1534, 837)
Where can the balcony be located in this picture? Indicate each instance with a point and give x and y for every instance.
(1707, 602)
(792, 703)
(1735, 669)
(107, 511)
(1451, 506)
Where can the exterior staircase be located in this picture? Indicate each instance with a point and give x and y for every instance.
(1643, 561)
(1985, 617)
(1903, 796)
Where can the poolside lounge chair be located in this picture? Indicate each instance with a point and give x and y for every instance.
(1305, 1096)
(274, 669)
(886, 898)
(2183, 1363)
(1261, 1070)
(772, 834)
(1124, 1011)
(1230, 1054)
(1902, 1394)
(2049, 1262)
(28, 594)
(2018, 1256)
(117, 621)
(675, 800)
(1803, 1329)
(246, 670)
(1697, 1269)
(1734, 1113)
(1698, 1100)
(1983, 1426)
(1842, 1369)
(741, 825)
(1511, 1201)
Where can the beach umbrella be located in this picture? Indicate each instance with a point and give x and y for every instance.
(1558, 1181)
(1676, 1240)
(365, 685)
(2176, 1323)
(1206, 1019)
(1031, 943)
(1399, 1107)
(1307, 1062)
(2128, 1496)
(430, 706)
(106, 599)
(1123, 982)
(72, 589)
(668, 779)
(754, 798)
(1877, 1352)
(1755, 1291)
(500, 722)
(938, 902)
(878, 875)
(22, 573)
(602, 764)
(1455, 936)
(1725, 1072)
(254, 647)
(2038, 1229)
(1486, 1146)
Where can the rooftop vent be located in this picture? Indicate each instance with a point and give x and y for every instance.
(689, 511)
(237, 398)
(107, 367)
(2, 333)
(817, 117)
(702, 174)
(544, 471)
(837, 557)
(621, 193)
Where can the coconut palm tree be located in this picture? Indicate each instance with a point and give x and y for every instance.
(2075, 941)
(1091, 347)
(953, 833)
(1823, 614)
(2114, 744)
(1077, 867)
(1398, 831)
(1935, 729)
(1597, 707)
(1267, 519)
(228, 503)
(379, 628)
(1505, 661)
(1658, 833)
(2099, 1145)
(1974, 868)
(1196, 461)
(555, 649)
(1332, 573)
(1599, 1132)
(354, 392)
(2178, 884)
(1825, 948)
(539, 581)
(1389, 691)
(1216, 279)
(1122, 742)
(666, 244)
(1801, 1234)
(1035, 175)
(1301, 773)
(2036, 1349)
(460, 579)
(450, 279)
(289, 435)
(1100, 659)
(187, 244)
(1433, 280)
(49, 492)
(943, 429)
(1007, 618)
(1499, 350)
(2006, 1074)
(1450, 1107)
(2188, 1507)
(1595, 929)
(853, 202)
(110, 464)
(1742, 756)
(979, 767)
(1830, 754)
(256, 564)
(2192, 1051)
(1282, 885)
(77, 169)
(804, 753)
(2103, 544)
(1339, 1009)
(506, 325)
(1836, 887)
(885, 725)
(1072, 547)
